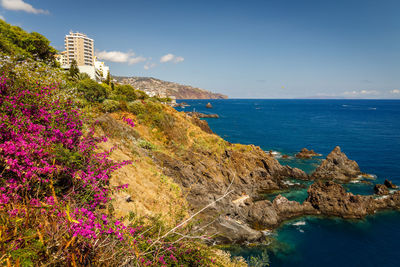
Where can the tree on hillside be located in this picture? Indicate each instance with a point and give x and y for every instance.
(73, 69)
(16, 41)
(108, 79)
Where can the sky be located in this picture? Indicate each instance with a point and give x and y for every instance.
(244, 49)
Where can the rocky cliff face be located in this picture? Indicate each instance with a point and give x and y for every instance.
(164, 89)
(225, 180)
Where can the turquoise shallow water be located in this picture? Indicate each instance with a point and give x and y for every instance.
(368, 131)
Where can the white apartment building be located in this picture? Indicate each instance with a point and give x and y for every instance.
(79, 47)
(101, 69)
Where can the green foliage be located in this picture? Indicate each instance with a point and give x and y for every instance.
(109, 105)
(146, 144)
(108, 79)
(16, 41)
(29, 72)
(92, 91)
(141, 95)
(31, 250)
(73, 69)
(164, 99)
(260, 260)
(136, 107)
(81, 76)
(125, 92)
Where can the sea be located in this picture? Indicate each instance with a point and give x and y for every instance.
(368, 131)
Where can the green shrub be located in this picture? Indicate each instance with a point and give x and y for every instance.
(153, 106)
(136, 107)
(125, 92)
(146, 144)
(141, 95)
(109, 105)
(92, 91)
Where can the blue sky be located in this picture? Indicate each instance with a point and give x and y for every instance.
(245, 49)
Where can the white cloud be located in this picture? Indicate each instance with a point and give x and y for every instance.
(1, 17)
(171, 58)
(167, 58)
(120, 57)
(135, 60)
(20, 5)
(395, 91)
(149, 65)
(362, 92)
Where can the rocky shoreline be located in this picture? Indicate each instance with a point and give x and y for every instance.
(241, 217)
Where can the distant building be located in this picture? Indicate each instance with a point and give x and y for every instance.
(150, 93)
(101, 69)
(62, 58)
(80, 48)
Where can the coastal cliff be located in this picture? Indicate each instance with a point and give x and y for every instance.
(164, 88)
(229, 179)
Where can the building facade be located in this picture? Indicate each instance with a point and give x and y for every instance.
(101, 69)
(79, 47)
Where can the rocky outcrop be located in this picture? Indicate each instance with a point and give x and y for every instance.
(381, 189)
(331, 199)
(389, 184)
(202, 115)
(158, 87)
(307, 154)
(338, 167)
(202, 124)
(209, 105)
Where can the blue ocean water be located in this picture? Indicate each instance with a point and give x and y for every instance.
(368, 131)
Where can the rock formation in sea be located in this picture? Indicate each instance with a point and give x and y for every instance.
(337, 167)
(202, 115)
(307, 154)
(389, 184)
(209, 105)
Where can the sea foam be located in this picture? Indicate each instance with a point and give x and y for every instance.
(299, 223)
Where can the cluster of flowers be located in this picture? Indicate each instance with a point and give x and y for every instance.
(49, 167)
(42, 145)
(129, 122)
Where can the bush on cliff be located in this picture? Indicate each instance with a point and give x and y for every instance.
(136, 107)
(92, 91)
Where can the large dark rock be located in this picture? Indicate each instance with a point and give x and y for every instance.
(307, 154)
(337, 166)
(209, 105)
(332, 199)
(389, 184)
